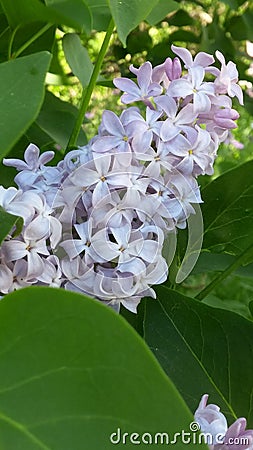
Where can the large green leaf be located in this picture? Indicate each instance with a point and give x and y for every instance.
(21, 96)
(203, 350)
(72, 372)
(7, 223)
(101, 14)
(228, 211)
(74, 13)
(127, 14)
(161, 9)
(24, 11)
(26, 32)
(77, 58)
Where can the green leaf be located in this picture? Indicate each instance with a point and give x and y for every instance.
(77, 58)
(240, 27)
(21, 96)
(229, 305)
(7, 222)
(231, 3)
(212, 262)
(42, 139)
(160, 11)
(5, 37)
(138, 40)
(181, 18)
(233, 294)
(72, 372)
(216, 262)
(228, 211)
(203, 350)
(101, 14)
(237, 28)
(26, 32)
(127, 14)
(73, 13)
(24, 11)
(56, 62)
(57, 119)
(160, 52)
(184, 36)
(214, 36)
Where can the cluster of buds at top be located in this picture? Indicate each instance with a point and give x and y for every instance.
(96, 222)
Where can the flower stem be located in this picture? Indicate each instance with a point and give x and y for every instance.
(11, 42)
(231, 268)
(88, 92)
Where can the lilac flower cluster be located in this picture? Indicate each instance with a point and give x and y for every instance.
(96, 222)
(219, 436)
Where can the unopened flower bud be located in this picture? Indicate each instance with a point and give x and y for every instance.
(237, 437)
(225, 118)
(210, 419)
(173, 68)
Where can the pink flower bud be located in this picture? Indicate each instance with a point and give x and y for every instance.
(173, 68)
(225, 117)
(237, 437)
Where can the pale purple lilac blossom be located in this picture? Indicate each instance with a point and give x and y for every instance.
(219, 436)
(96, 222)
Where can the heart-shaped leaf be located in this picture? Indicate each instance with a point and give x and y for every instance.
(75, 375)
(203, 350)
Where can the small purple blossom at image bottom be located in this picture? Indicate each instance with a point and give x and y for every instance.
(213, 424)
(97, 222)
